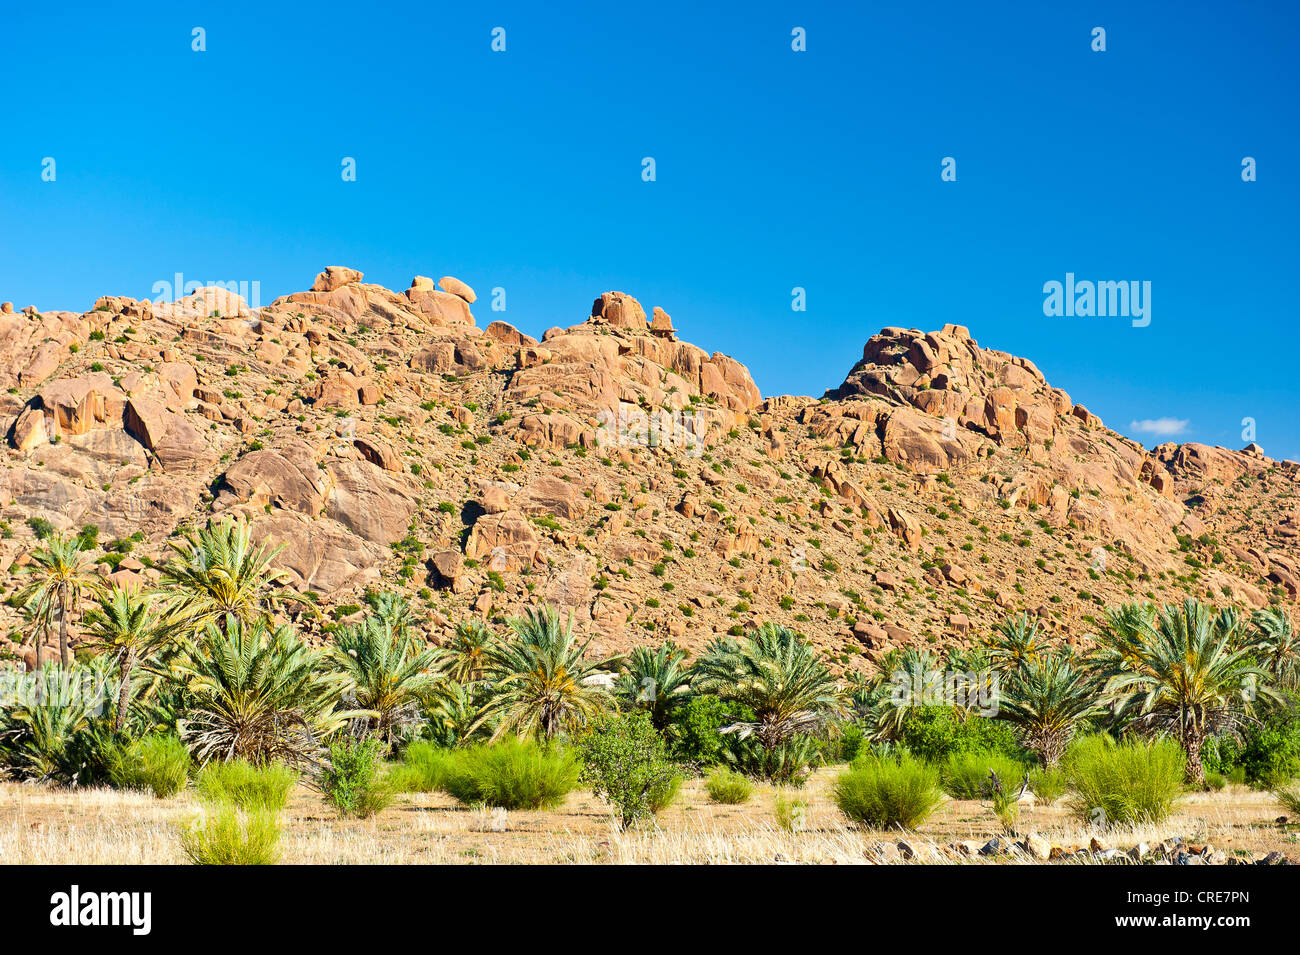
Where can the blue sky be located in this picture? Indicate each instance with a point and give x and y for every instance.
(775, 169)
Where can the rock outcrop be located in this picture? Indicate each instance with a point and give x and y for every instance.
(637, 481)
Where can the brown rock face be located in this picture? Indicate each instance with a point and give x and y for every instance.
(287, 478)
(612, 381)
(620, 310)
(505, 542)
(147, 421)
(625, 475)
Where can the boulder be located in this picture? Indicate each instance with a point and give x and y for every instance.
(458, 288)
(503, 542)
(620, 310)
(449, 567)
(334, 277)
(378, 453)
(375, 504)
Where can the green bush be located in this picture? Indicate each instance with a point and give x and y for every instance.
(423, 769)
(888, 793)
(1266, 754)
(846, 744)
(626, 763)
(512, 774)
(1289, 798)
(791, 813)
(693, 733)
(160, 764)
(935, 732)
(965, 775)
(1048, 785)
(1124, 783)
(245, 785)
(229, 836)
(1270, 754)
(350, 781)
(728, 787)
(662, 794)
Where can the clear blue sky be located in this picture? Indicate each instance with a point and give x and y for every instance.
(775, 169)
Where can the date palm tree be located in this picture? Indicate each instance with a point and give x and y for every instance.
(388, 673)
(1048, 698)
(540, 682)
(218, 574)
(258, 693)
(468, 651)
(1014, 643)
(393, 609)
(1276, 645)
(451, 717)
(656, 681)
(61, 575)
(127, 624)
(777, 674)
(907, 679)
(1187, 671)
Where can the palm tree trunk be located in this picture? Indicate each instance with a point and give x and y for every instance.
(1193, 738)
(40, 647)
(63, 628)
(124, 691)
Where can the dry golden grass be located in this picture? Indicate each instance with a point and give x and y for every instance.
(50, 826)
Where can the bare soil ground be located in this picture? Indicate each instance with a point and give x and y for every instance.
(52, 826)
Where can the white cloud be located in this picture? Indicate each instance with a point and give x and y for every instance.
(1165, 427)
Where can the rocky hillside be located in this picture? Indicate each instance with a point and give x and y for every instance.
(386, 439)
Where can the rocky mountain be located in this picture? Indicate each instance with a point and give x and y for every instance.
(387, 440)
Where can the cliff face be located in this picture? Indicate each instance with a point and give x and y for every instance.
(642, 483)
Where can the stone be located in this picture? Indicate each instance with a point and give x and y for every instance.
(147, 421)
(378, 453)
(504, 542)
(661, 324)
(620, 310)
(1038, 847)
(286, 478)
(335, 277)
(374, 504)
(458, 288)
(449, 567)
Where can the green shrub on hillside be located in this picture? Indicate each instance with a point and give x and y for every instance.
(786, 764)
(351, 782)
(1268, 753)
(1048, 785)
(423, 769)
(791, 813)
(935, 732)
(728, 787)
(626, 763)
(694, 731)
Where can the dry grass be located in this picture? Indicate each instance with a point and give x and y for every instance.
(52, 826)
